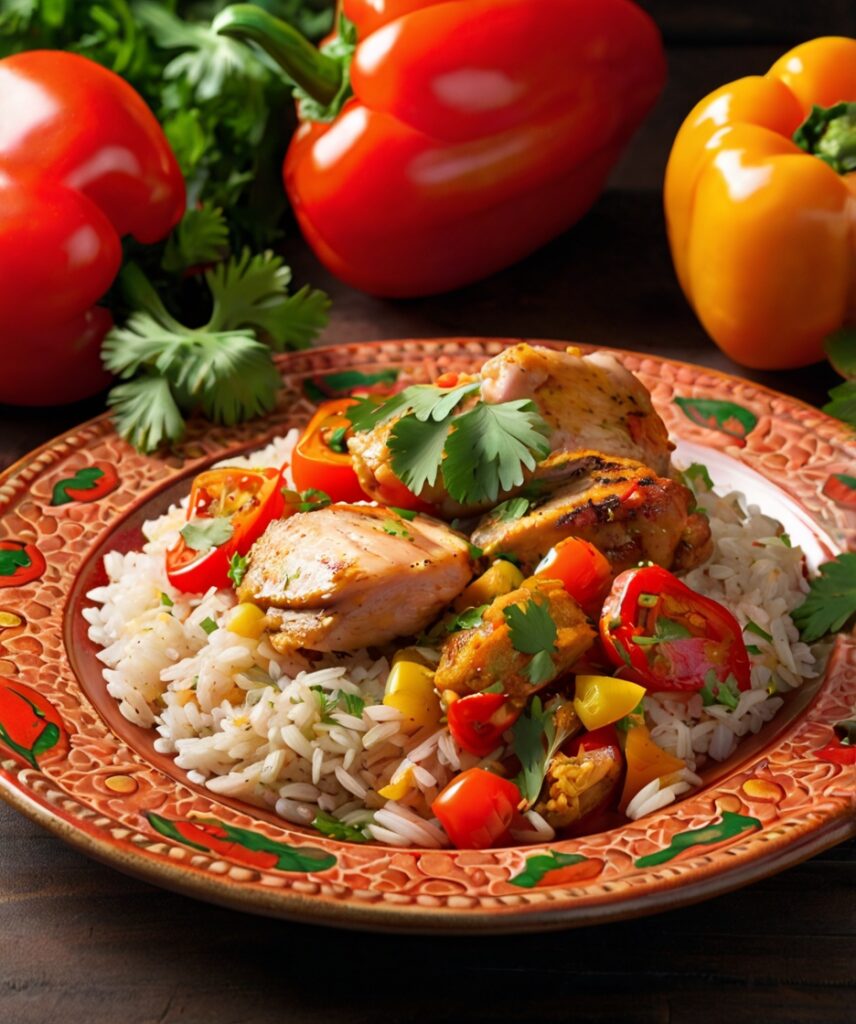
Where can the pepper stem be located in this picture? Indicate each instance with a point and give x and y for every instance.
(829, 133)
(318, 75)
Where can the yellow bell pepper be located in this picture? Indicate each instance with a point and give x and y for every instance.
(410, 689)
(645, 762)
(247, 620)
(759, 199)
(396, 790)
(602, 700)
(501, 578)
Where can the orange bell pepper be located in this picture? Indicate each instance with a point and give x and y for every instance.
(760, 200)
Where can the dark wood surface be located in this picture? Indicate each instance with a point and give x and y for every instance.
(81, 942)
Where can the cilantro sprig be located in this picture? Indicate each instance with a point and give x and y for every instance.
(831, 600)
(477, 453)
(223, 368)
(538, 734)
(204, 534)
(532, 631)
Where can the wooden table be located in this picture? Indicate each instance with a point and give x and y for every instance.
(80, 942)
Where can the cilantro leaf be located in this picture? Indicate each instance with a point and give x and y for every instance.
(238, 565)
(714, 691)
(145, 411)
(831, 600)
(489, 447)
(417, 450)
(202, 236)
(336, 829)
(166, 600)
(842, 404)
(664, 631)
(532, 631)
(204, 534)
(514, 508)
(541, 668)
(468, 619)
(309, 500)
(697, 477)
(841, 349)
(538, 734)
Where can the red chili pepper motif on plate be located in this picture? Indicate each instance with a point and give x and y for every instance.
(555, 868)
(30, 726)
(89, 483)
(20, 562)
(729, 827)
(841, 488)
(733, 420)
(242, 845)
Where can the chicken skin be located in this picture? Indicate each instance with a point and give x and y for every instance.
(351, 576)
(590, 403)
(474, 659)
(618, 505)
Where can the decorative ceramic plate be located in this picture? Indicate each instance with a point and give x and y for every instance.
(69, 760)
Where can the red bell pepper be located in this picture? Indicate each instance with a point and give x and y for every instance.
(665, 636)
(478, 721)
(83, 162)
(475, 133)
(320, 460)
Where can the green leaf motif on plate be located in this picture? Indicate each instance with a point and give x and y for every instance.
(335, 385)
(717, 414)
(731, 826)
(539, 866)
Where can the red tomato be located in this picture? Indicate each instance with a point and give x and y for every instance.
(249, 499)
(477, 721)
(316, 465)
(665, 636)
(476, 808)
(583, 570)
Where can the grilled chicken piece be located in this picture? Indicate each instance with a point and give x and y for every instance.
(351, 576)
(474, 659)
(618, 505)
(591, 403)
(574, 786)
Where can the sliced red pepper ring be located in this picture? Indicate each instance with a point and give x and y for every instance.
(476, 808)
(320, 460)
(248, 500)
(584, 571)
(667, 637)
(478, 721)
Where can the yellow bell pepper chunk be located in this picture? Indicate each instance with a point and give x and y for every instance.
(601, 700)
(645, 762)
(396, 790)
(410, 689)
(247, 620)
(501, 578)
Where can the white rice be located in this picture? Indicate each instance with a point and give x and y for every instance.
(251, 724)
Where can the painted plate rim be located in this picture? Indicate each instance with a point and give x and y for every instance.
(479, 894)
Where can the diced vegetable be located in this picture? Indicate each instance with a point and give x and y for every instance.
(396, 790)
(247, 620)
(602, 700)
(320, 460)
(478, 721)
(646, 761)
(476, 808)
(501, 578)
(410, 689)
(583, 570)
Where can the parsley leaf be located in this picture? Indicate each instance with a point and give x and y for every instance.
(204, 534)
(208, 624)
(202, 236)
(831, 600)
(238, 565)
(309, 500)
(697, 477)
(336, 829)
(532, 631)
(489, 447)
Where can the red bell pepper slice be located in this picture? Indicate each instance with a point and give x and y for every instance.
(249, 499)
(476, 808)
(665, 636)
(83, 163)
(477, 131)
(320, 460)
(478, 721)
(585, 572)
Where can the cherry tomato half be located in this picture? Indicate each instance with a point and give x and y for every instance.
(583, 570)
(249, 499)
(476, 808)
(321, 461)
(667, 637)
(478, 721)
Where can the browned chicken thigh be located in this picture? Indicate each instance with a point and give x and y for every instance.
(352, 576)
(474, 659)
(618, 505)
(590, 403)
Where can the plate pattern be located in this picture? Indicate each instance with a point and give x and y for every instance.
(63, 763)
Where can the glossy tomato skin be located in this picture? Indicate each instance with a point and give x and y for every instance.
(478, 721)
(317, 466)
(700, 634)
(195, 573)
(476, 808)
(584, 571)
